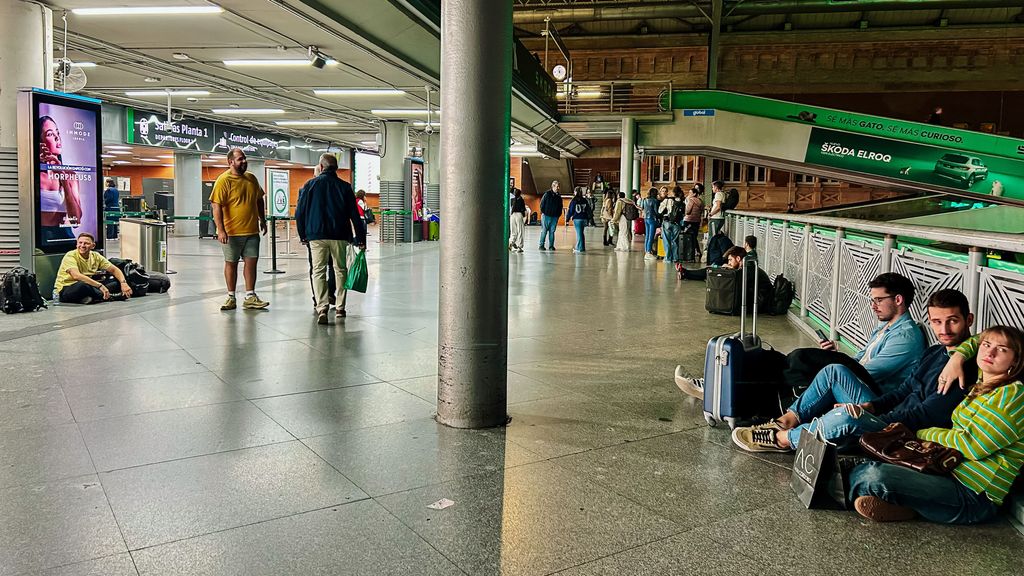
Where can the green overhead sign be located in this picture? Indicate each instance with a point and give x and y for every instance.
(917, 132)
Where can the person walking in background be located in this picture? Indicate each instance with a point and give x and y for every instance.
(608, 218)
(111, 203)
(716, 217)
(579, 213)
(550, 212)
(516, 221)
(649, 210)
(327, 219)
(240, 214)
(589, 198)
(624, 215)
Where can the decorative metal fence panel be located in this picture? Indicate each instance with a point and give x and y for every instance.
(1002, 299)
(794, 264)
(770, 248)
(859, 263)
(821, 266)
(929, 275)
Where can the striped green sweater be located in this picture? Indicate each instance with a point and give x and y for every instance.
(989, 431)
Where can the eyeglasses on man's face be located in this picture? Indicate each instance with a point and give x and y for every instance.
(879, 299)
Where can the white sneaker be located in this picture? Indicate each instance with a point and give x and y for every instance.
(689, 386)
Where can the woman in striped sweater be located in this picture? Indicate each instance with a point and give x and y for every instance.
(988, 429)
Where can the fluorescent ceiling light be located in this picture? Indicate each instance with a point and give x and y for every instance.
(167, 93)
(120, 162)
(168, 165)
(359, 92)
(297, 62)
(209, 160)
(523, 148)
(119, 152)
(107, 156)
(306, 122)
(369, 142)
(402, 112)
(150, 159)
(79, 64)
(250, 111)
(146, 10)
(117, 147)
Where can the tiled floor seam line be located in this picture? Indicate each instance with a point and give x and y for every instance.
(59, 566)
(418, 535)
(247, 524)
(105, 315)
(623, 551)
(198, 455)
(312, 391)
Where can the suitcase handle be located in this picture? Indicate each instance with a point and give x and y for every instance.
(747, 263)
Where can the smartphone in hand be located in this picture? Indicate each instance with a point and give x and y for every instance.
(821, 335)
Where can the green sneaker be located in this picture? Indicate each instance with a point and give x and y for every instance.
(229, 304)
(254, 303)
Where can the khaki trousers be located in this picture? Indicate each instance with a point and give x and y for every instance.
(337, 250)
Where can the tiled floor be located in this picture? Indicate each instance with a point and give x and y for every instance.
(164, 437)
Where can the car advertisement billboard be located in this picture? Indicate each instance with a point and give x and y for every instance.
(960, 170)
(67, 179)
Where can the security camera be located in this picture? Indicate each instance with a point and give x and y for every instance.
(316, 59)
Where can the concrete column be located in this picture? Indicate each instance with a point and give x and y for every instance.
(433, 158)
(636, 172)
(626, 155)
(714, 43)
(476, 87)
(396, 148)
(26, 46)
(392, 182)
(259, 170)
(188, 192)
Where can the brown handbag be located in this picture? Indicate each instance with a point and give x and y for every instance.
(897, 444)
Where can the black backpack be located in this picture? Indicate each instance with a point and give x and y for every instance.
(630, 212)
(717, 246)
(134, 274)
(677, 212)
(19, 292)
(732, 199)
(782, 297)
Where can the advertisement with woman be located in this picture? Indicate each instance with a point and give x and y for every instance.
(68, 176)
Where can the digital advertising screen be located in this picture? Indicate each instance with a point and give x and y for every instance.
(416, 181)
(66, 142)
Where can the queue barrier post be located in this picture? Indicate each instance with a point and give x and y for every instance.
(273, 248)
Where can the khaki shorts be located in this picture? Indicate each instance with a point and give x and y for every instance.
(241, 247)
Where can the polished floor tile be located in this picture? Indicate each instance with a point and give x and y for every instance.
(116, 565)
(35, 455)
(136, 396)
(175, 500)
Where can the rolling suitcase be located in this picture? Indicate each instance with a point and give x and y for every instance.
(741, 375)
(723, 294)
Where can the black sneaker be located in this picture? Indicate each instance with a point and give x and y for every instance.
(542, 248)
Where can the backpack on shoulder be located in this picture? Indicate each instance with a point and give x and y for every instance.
(783, 293)
(630, 212)
(732, 199)
(676, 213)
(19, 292)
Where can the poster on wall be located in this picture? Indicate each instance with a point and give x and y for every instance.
(67, 183)
(966, 171)
(278, 181)
(367, 175)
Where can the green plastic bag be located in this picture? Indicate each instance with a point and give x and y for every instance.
(357, 275)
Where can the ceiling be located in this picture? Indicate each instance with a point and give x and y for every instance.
(603, 18)
(369, 44)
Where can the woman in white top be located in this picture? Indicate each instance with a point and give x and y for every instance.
(60, 207)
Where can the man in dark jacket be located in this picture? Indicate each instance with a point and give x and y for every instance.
(111, 203)
(327, 218)
(843, 407)
(550, 212)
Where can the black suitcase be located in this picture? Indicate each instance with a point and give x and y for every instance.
(723, 291)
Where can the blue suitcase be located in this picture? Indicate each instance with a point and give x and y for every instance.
(741, 375)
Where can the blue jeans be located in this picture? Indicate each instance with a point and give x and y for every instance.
(669, 236)
(548, 225)
(715, 225)
(581, 239)
(839, 427)
(941, 499)
(650, 225)
(834, 384)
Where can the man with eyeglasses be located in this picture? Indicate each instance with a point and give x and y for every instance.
(893, 350)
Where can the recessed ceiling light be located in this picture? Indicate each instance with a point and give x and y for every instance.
(306, 122)
(399, 112)
(151, 79)
(165, 93)
(192, 99)
(359, 92)
(251, 111)
(179, 56)
(146, 10)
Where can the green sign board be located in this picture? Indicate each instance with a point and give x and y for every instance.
(972, 172)
(278, 181)
(966, 140)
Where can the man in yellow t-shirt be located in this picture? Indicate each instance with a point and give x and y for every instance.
(239, 213)
(75, 279)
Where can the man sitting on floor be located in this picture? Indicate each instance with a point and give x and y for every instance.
(893, 351)
(842, 407)
(76, 282)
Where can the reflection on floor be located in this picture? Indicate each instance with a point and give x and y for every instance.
(162, 436)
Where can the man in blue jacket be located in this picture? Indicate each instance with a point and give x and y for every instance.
(843, 407)
(550, 212)
(327, 218)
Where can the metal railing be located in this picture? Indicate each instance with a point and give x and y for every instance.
(831, 260)
(628, 97)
